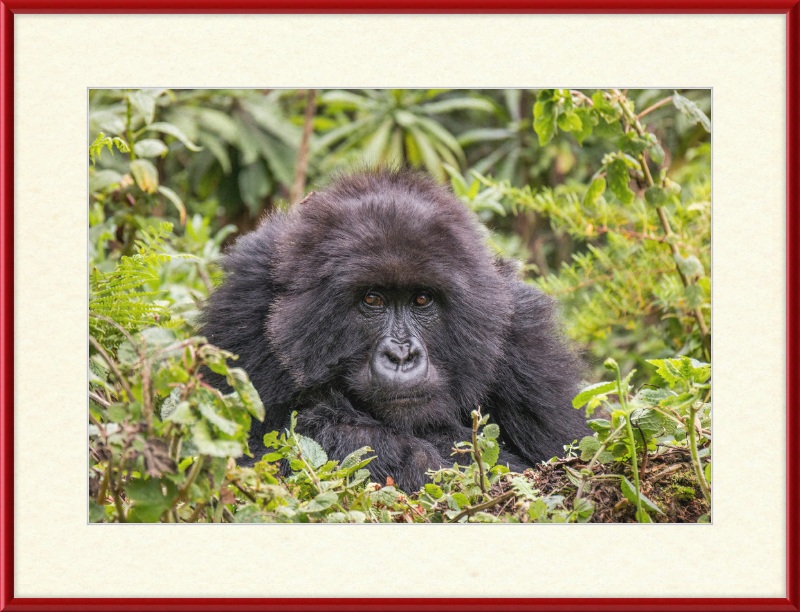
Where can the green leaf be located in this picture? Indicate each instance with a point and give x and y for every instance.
(117, 413)
(102, 179)
(97, 513)
(604, 129)
(206, 445)
(446, 106)
(591, 391)
(323, 501)
(632, 143)
(238, 379)
(596, 189)
(352, 461)
(610, 111)
(254, 186)
(384, 495)
(599, 425)
(492, 431)
(490, 452)
(629, 491)
(434, 491)
(618, 179)
(172, 130)
(149, 147)
(650, 421)
(570, 122)
(691, 110)
(313, 452)
(218, 122)
(145, 174)
(589, 445)
(181, 414)
(460, 499)
(223, 424)
(588, 121)
(353, 516)
(656, 153)
(583, 508)
(176, 201)
(523, 488)
(144, 100)
(149, 500)
(690, 266)
(545, 116)
(654, 396)
(693, 295)
(655, 196)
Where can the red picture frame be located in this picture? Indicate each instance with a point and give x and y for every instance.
(789, 8)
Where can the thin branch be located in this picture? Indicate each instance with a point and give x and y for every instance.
(488, 504)
(301, 167)
(604, 277)
(641, 236)
(654, 107)
(98, 400)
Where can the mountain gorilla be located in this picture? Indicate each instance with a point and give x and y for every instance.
(375, 310)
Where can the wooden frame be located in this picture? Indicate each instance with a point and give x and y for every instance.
(790, 8)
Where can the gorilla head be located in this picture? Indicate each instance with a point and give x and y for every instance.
(375, 310)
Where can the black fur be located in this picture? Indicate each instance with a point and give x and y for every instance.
(292, 306)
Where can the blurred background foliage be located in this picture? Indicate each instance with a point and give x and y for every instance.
(604, 195)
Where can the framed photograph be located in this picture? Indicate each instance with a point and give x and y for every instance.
(743, 58)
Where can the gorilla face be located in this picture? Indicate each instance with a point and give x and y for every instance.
(392, 299)
(376, 311)
(396, 377)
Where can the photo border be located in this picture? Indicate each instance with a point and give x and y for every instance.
(790, 8)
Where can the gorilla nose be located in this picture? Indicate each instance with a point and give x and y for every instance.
(402, 362)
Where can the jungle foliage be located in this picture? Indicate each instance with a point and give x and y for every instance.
(605, 195)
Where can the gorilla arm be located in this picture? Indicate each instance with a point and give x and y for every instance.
(531, 398)
(340, 429)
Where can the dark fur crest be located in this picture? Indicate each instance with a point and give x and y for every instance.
(288, 308)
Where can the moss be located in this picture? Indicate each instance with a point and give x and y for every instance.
(683, 494)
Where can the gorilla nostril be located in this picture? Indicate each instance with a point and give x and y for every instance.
(392, 357)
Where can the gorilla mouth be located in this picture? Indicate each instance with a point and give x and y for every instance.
(408, 400)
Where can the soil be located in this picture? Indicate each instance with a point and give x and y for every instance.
(668, 481)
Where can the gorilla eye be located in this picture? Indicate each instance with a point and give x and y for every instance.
(422, 299)
(372, 299)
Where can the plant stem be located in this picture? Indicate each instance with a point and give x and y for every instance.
(129, 131)
(184, 492)
(698, 468)
(475, 419)
(584, 479)
(635, 466)
(101, 494)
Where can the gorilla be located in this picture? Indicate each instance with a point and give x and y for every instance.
(376, 311)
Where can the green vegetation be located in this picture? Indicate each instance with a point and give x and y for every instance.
(604, 195)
